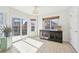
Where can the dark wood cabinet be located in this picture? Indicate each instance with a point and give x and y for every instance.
(51, 35)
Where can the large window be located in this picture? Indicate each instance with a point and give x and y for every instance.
(50, 23)
(1, 19)
(1, 24)
(19, 26)
(33, 23)
(46, 24)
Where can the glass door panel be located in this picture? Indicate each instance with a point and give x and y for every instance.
(24, 27)
(16, 26)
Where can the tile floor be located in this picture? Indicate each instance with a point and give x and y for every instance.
(37, 45)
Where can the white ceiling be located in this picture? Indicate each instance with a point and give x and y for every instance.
(42, 9)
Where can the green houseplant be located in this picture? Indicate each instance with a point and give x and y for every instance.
(7, 31)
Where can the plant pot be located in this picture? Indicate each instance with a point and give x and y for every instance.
(6, 34)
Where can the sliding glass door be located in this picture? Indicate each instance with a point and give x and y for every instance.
(19, 26)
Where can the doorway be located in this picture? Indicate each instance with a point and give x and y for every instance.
(19, 28)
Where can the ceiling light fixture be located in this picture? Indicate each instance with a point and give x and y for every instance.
(35, 12)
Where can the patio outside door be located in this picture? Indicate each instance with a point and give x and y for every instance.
(19, 27)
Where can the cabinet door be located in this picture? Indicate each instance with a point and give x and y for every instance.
(3, 43)
(9, 42)
(6, 43)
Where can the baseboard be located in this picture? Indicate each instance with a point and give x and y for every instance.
(73, 47)
(65, 42)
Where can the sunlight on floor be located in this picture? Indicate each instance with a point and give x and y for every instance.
(28, 45)
(16, 38)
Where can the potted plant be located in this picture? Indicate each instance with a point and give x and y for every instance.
(7, 31)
